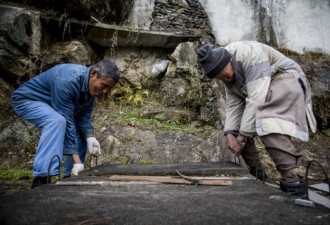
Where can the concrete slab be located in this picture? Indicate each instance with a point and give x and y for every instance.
(140, 202)
(108, 35)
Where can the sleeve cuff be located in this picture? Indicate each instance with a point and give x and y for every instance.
(248, 134)
(233, 132)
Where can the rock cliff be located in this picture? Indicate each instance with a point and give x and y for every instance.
(163, 110)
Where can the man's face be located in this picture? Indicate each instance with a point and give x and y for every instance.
(227, 74)
(99, 86)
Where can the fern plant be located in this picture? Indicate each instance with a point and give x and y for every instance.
(127, 95)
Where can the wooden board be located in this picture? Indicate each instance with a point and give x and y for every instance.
(172, 180)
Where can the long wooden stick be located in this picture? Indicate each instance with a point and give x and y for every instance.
(171, 180)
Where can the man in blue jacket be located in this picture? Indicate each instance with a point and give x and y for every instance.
(60, 101)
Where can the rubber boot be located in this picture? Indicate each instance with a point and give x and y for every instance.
(293, 188)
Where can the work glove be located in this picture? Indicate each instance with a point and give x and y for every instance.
(93, 146)
(77, 168)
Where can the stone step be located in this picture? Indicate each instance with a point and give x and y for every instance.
(222, 168)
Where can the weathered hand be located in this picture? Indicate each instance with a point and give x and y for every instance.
(233, 145)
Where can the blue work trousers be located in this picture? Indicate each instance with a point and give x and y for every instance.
(53, 127)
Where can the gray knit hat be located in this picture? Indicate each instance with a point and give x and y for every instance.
(213, 60)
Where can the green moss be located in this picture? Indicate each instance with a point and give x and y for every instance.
(262, 151)
(289, 53)
(326, 132)
(179, 127)
(145, 161)
(123, 160)
(133, 117)
(306, 55)
(15, 174)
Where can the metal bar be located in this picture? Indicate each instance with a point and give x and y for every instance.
(59, 168)
(306, 175)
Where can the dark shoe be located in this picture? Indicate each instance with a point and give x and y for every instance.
(37, 181)
(293, 188)
(261, 173)
(66, 176)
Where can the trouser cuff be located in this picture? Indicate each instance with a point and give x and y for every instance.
(291, 175)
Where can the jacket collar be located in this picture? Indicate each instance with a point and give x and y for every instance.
(239, 73)
(86, 80)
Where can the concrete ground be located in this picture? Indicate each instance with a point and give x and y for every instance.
(93, 198)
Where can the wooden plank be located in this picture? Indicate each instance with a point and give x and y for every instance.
(173, 180)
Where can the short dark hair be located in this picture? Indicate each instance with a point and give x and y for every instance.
(106, 69)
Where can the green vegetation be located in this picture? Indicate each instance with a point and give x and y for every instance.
(306, 55)
(262, 150)
(126, 95)
(129, 116)
(179, 127)
(15, 174)
(145, 161)
(326, 132)
(133, 117)
(123, 160)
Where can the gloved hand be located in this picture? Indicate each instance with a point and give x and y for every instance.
(93, 146)
(77, 168)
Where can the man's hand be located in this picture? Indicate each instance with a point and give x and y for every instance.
(93, 146)
(77, 168)
(233, 145)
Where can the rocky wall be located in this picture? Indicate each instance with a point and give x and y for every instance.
(31, 43)
(181, 15)
(106, 11)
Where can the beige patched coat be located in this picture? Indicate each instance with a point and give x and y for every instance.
(271, 93)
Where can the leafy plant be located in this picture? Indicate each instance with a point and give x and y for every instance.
(127, 95)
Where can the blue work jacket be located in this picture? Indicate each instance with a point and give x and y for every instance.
(65, 88)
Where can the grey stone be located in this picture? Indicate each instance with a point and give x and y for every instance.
(133, 77)
(5, 96)
(20, 36)
(184, 54)
(168, 114)
(159, 67)
(173, 91)
(68, 52)
(163, 146)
